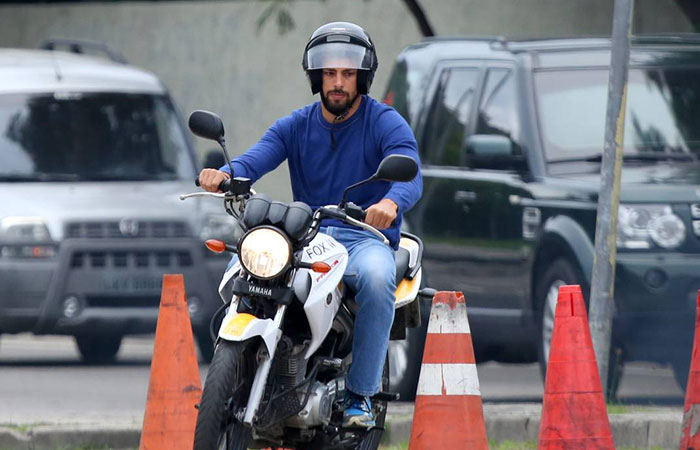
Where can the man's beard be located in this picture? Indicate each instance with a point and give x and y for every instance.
(338, 108)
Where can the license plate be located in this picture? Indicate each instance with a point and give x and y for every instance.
(132, 284)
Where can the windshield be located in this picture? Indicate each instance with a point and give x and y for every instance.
(78, 137)
(662, 119)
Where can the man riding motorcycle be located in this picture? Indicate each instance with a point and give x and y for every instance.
(330, 145)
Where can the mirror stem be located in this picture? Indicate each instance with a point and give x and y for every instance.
(345, 192)
(222, 143)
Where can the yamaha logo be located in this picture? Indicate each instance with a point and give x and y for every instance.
(129, 227)
(257, 290)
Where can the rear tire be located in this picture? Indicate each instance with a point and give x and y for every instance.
(225, 391)
(373, 437)
(562, 272)
(405, 359)
(98, 348)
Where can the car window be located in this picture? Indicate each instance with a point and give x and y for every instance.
(91, 137)
(663, 109)
(448, 117)
(498, 112)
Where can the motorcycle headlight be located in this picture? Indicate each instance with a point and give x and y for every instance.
(640, 225)
(265, 252)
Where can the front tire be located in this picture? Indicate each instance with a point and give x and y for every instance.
(559, 273)
(225, 392)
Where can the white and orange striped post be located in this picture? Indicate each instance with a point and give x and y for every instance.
(448, 412)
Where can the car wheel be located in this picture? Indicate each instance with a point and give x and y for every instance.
(681, 372)
(559, 273)
(205, 344)
(98, 349)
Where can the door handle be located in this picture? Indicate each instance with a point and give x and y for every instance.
(464, 196)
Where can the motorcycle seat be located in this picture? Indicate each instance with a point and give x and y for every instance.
(403, 260)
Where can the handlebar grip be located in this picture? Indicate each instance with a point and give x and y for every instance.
(225, 185)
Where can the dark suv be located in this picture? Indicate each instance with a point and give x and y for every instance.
(510, 137)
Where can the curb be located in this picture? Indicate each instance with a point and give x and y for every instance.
(652, 427)
(649, 427)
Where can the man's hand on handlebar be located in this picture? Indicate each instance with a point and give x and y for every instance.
(210, 179)
(382, 214)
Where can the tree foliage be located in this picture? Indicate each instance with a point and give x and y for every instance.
(280, 11)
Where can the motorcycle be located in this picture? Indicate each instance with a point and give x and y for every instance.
(283, 347)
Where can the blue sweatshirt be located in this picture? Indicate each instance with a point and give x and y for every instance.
(319, 174)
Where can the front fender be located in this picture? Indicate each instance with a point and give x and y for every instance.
(237, 327)
(563, 230)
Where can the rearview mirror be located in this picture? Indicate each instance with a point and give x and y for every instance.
(488, 145)
(207, 125)
(396, 168)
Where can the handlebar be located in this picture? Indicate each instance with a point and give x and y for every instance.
(336, 212)
(225, 185)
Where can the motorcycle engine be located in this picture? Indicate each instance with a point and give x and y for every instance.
(317, 410)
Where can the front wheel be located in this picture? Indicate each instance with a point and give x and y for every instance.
(559, 273)
(224, 396)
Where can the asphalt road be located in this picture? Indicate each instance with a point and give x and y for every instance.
(43, 381)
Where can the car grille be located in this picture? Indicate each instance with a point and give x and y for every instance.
(130, 259)
(127, 229)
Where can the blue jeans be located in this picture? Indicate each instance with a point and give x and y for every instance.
(371, 274)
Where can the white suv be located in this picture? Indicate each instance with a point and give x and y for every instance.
(93, 155)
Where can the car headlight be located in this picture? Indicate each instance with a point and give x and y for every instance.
(264, 252)
(219, 226)
(640, 225)
(25, 237)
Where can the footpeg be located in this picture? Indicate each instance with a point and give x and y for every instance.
(333, 363)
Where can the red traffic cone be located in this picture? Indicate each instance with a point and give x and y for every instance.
(174, 387)
(573, 410)
(690, 436)
(448, 412)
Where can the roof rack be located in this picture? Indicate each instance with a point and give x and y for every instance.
(80, 47)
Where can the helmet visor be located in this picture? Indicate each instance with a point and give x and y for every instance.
(335, 55)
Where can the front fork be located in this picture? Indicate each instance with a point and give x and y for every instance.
(265, 363)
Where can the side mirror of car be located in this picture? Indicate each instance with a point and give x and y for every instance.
(493, 151)
(488, 145)
(396, 168)
(213, 160)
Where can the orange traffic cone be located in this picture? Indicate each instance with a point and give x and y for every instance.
(573, 410)
(174, 387)
(690, 437)
(448, 412)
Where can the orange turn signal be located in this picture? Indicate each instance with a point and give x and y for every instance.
(320, 267)
(215, 245)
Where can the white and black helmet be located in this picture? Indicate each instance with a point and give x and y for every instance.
(340, 44)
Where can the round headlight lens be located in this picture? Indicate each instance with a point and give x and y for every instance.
(667, 231)
(264, 253)
(642, 225)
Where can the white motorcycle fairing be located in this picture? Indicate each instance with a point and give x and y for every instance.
(238, 327)
(321, 292)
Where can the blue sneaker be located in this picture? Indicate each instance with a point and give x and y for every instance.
(358, 412)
